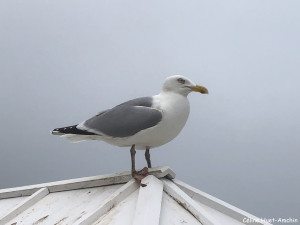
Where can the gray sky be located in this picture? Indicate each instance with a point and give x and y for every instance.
(63, 61)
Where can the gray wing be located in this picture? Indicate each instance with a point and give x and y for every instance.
(126, 119)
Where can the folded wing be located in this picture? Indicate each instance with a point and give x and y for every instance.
(124, 120)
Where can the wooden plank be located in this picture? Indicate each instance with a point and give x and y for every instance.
(72, 184)
(109, 203)
(86, 182)
(189, 204)
(22, 206)
(149, 202)
(218, 204)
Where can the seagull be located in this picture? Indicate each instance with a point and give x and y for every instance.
(142, 123)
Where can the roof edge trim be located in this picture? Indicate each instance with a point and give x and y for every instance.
(86, 182)
(216, 203)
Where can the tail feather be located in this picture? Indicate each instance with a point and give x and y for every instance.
(71, 130)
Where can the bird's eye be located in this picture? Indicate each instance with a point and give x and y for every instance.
(180, 80)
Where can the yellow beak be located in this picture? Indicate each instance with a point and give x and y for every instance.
(200, 89)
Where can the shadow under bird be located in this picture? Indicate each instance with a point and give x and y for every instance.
(141, 123)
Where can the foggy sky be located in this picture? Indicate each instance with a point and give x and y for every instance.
(62, 62)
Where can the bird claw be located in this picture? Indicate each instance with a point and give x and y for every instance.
(140, 175)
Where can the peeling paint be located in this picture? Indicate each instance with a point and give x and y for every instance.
(60, 221)
(40, 220)
(106, 213)
(143, 185)
(79, 217)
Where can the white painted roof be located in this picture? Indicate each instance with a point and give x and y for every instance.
(117, 199)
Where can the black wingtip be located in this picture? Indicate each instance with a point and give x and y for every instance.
(70, 130)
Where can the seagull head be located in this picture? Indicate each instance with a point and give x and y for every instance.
(182, 85)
